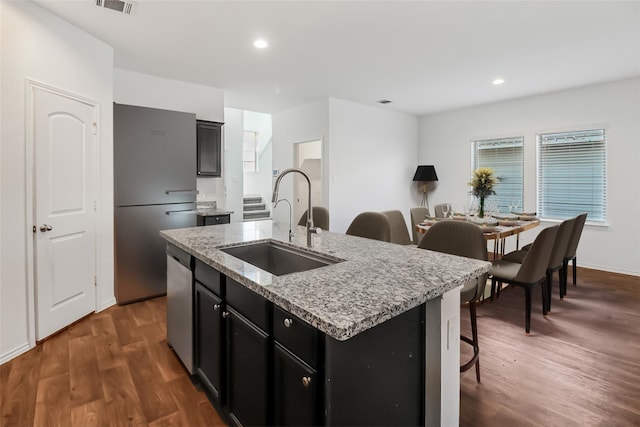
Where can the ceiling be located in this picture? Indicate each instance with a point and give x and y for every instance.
(425, 56)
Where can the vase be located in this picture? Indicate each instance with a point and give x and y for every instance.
(481, 211)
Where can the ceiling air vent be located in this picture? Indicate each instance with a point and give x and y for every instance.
(126, 7)
(384, 101)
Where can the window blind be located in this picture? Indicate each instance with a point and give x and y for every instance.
(572, 175)
(506, 157)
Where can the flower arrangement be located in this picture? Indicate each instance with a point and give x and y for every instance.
(482, 183)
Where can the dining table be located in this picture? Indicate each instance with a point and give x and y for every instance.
(493, 229)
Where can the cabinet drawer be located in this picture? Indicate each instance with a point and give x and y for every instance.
(209, 277)
(213, 219)
(249, 304)
(296, 335)
(218, 219)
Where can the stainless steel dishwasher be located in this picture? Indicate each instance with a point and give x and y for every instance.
(180, 305)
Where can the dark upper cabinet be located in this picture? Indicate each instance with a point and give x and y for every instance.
(209, 136)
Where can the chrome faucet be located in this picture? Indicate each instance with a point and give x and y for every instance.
(289, 203)
(310, 228)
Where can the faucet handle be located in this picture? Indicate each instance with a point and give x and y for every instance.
(316, 230)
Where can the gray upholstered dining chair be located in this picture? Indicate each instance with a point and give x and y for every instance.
(572, 249)
(320, 217)
(437, 210)
(399, 232)
(555, 260)
(462, 239)
(372, 225)
(418, 214)
(532, 271)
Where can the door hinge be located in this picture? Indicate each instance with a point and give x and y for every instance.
(95, 280)
(34, 228)
(94, 205)
(95, 128)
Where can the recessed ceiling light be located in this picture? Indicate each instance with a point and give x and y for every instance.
(260, 43)
(498, 81)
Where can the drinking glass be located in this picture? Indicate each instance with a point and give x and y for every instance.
(445, 210)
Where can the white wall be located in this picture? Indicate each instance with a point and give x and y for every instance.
(40, 46)
(259, 183)
(232, 171)
(445, 142)
(206, 102)
(307, 122)
(372, 162)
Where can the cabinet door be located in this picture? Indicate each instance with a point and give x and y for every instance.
(249, 367)
(209, 136)
(209, 339)
(296, 390)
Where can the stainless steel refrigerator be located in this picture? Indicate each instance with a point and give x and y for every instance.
(155, 189)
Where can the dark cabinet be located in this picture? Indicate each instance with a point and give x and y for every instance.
(209, 344)
(248, 367)
(213, 219)
(296, 387)
(209, 137)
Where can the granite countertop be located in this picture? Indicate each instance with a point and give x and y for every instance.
(209, 208)
(213, 211)
(376, 282)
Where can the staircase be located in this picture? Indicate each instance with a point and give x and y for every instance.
(254, 209)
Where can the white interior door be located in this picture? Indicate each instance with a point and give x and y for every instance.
(64, 144)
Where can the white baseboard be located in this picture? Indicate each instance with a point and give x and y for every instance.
(108, 303)
(14, 353)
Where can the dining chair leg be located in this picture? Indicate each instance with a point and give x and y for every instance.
(474, 335)
(493, 288)
(527, 297)
(565, 272)
(545, 293)
(574, 262)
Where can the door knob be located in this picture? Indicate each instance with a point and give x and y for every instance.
(45, 227)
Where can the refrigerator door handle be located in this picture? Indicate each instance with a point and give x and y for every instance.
(185, 212)
(182, 191)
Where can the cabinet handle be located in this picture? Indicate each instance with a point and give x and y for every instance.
(216, 306)
(306, 382)
(287, 322)
(225, 314)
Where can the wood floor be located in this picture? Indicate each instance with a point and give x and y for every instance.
(580, 366)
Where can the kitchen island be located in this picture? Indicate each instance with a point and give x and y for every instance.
(381, 324)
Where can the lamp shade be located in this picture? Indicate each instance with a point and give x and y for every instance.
(425, 173)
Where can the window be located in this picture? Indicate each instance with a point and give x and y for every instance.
(506, 157)
(572, 175)
(250, 151)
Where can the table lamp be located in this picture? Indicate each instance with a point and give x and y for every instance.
(425, 173)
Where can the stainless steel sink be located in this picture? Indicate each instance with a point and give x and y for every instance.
(278, 259)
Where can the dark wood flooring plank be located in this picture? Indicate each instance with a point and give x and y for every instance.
(92, 414)
(53, 406)
(19, 396)
(84, 374)
(194, 408)
(55, 356)
(127, 331)
(155, 397)
(121, 397)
